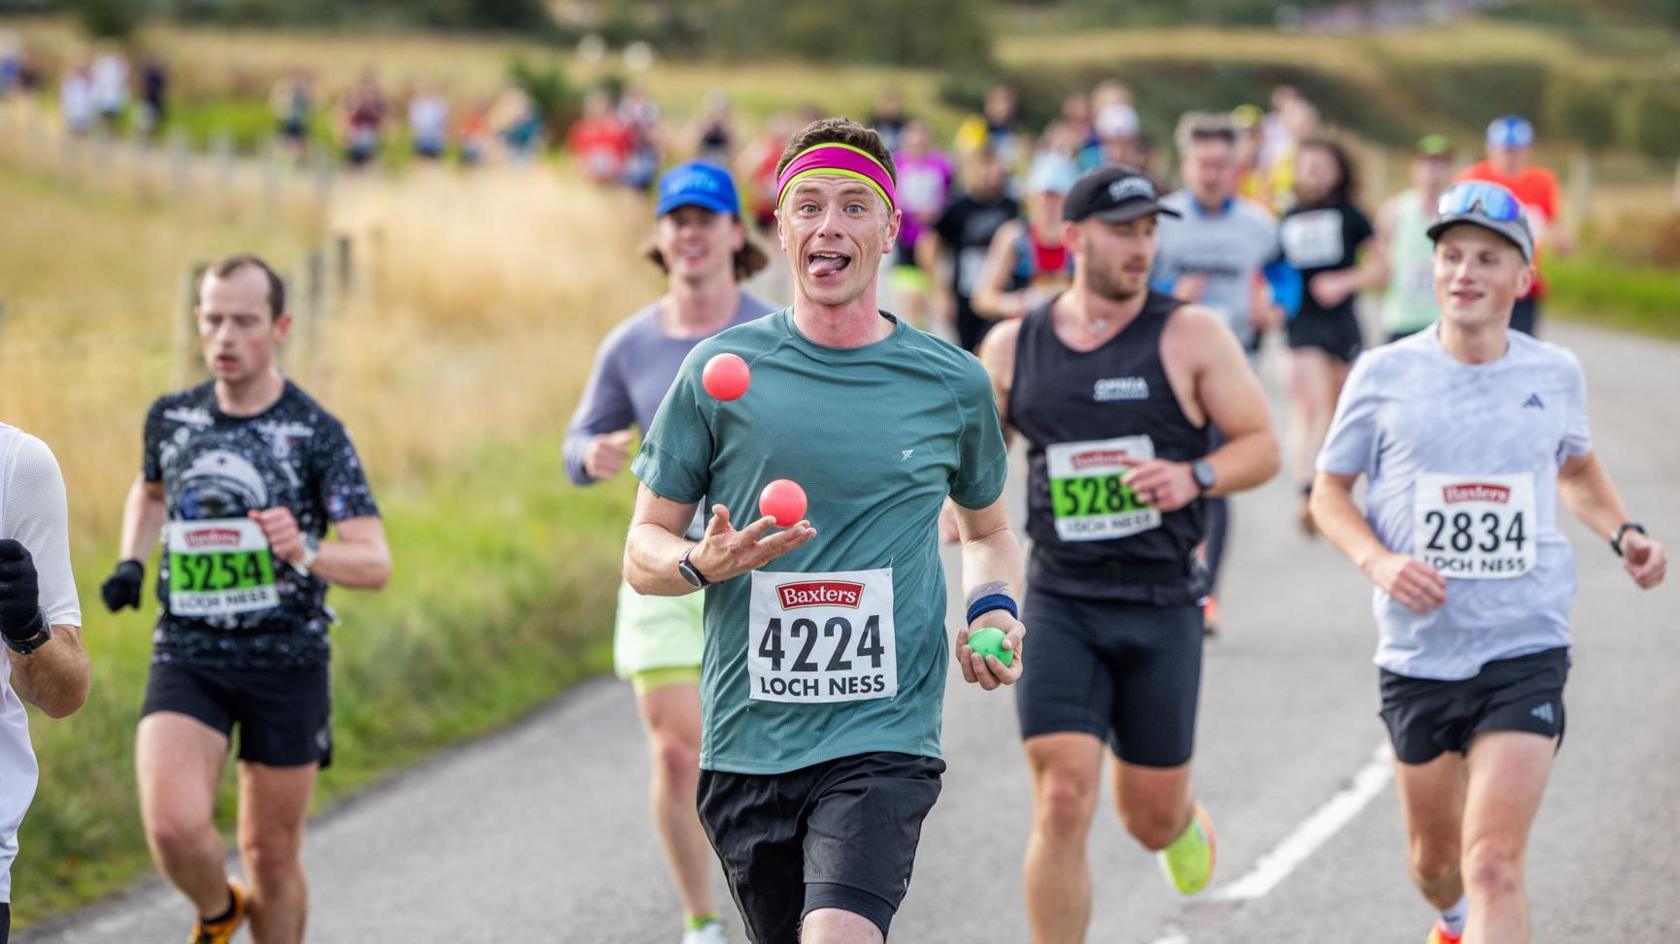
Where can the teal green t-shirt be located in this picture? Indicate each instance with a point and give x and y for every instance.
(838, 647)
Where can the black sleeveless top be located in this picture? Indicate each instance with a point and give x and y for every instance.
(1080, 413)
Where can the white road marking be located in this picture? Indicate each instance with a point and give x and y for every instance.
(1273, 867)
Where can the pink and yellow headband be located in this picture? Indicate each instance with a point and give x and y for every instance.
(840, 160)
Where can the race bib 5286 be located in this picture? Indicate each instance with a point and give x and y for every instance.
(817, 638)
(1476, 527)
(219, 567)
(1089, 496)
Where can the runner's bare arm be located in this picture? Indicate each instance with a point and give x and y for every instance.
(1587, 490)
(144, 513)
(991, 555)
(1414, 583)
(1231, 398)
(997, 355)
(992, 298)
(55, 677)
(358, 558)
(656, 543)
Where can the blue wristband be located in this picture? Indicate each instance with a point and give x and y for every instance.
(990, 602)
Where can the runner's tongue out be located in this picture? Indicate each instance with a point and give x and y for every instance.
(823, 264)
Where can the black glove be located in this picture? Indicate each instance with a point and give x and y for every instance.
(123, 587)
(20, 593)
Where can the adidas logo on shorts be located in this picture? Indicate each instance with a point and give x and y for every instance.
(1534, 402)
(1545, 713)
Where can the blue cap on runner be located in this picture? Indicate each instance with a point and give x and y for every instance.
(700, 184)
(1510, 131)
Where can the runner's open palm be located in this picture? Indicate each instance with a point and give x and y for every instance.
(725, 553)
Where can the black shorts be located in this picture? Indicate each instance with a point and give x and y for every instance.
(284, 715)
(1427, 717)
(1335, 334)
(1128, 673)
(839, 834)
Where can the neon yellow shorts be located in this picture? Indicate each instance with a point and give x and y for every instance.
(656, 632)
(651, 679)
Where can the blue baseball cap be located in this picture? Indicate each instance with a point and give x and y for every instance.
(700, 184)
(1510, 131)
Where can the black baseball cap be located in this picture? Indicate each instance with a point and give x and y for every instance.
(1114, 194)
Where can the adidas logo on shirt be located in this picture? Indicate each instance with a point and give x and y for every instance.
(1534, 402)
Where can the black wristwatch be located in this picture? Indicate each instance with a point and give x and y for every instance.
(691, 573)
(29, 644)
(1203, 473)
(1621, 532)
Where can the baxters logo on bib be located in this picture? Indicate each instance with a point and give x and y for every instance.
(819, 593)
(1098, 457)
(212, 537)
(1476, 492)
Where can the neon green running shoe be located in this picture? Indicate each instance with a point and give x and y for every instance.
(1188, 862)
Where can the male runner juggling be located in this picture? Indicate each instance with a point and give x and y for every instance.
(1468, 434)
(1115, 387)
(241, 476)
(822, 680)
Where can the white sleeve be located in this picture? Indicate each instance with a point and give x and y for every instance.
(37, 516)
(1577, 438)
(1350, 448)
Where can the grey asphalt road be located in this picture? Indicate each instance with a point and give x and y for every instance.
(541, 833)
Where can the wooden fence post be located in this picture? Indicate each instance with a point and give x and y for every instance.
(1580, 189)
(346, 263)
(186, 324)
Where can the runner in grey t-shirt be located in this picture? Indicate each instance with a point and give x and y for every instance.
(1212, 254)
(702, 247)
(1469, 434)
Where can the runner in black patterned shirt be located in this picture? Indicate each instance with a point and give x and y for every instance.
(242, 476)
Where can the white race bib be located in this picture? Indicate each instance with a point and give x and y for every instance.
(817, 638)
(219, 567)
(1088, 496)
(1313, 239)
(1476, 527)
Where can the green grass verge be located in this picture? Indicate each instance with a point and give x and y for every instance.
(1610, 294)
(502, 595)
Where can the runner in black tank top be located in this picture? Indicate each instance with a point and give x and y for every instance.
(1085, 414)
(1115, 388)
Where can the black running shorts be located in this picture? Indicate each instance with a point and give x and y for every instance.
(839, 834)
(284, 715)
(1427, 717)
(1335, 334)
(1128, 673)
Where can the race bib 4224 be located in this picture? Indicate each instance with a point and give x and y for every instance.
(1476, 527)
(819, 638)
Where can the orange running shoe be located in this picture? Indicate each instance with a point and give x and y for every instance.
(1210, 615)
(221, 932)
(1440, 935)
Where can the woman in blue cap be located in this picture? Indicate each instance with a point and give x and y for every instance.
(703, 249)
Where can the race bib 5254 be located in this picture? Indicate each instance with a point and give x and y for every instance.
(1476, 527)
(219, 567)
(816, 638)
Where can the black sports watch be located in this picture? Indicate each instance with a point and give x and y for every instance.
(691, 573)
(1203, 473)
(28, 644)
(1621, 532)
